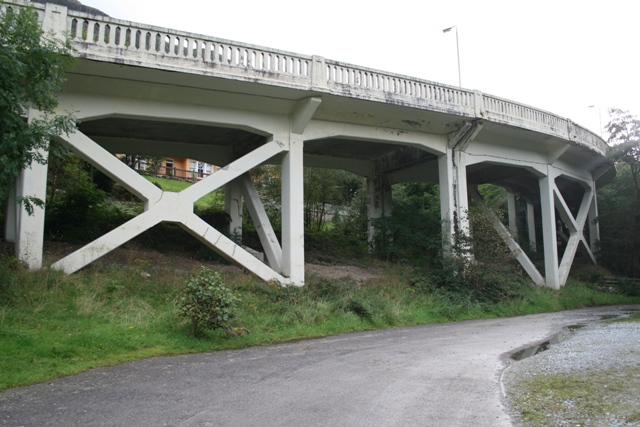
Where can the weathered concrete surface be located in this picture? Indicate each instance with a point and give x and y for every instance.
(433, 375)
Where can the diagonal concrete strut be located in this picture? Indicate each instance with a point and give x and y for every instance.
(161, 206)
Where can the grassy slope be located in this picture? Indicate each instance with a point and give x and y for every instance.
(212, 199)
(106, 314)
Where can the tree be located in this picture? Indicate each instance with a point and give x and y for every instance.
(32, 68)
(413, 231)
(624, 136)
(143, 162)
(616, 217)
(326, 190)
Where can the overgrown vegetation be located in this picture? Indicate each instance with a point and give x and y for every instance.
(52, 324)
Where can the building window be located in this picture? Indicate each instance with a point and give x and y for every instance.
(169, 167)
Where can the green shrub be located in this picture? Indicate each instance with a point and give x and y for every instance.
(207, 302)
(629, 287)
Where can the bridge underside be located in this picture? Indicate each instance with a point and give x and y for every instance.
(240, 125)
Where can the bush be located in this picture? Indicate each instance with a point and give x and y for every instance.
(207, 302)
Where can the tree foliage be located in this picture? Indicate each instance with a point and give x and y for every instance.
(624, 136)
(620, 201)
(141, 162)
(324, 191)
(413, 231)
(616, 218)
(32, 68)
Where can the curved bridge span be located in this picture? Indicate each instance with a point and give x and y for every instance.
(144, 89)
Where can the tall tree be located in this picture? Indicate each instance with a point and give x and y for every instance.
(616, 218)
(32, 68)
(624, 136)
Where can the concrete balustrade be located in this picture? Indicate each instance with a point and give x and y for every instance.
(86, 30)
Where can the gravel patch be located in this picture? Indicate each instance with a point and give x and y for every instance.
(590, 378)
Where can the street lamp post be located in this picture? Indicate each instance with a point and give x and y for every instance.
(446, 30)
(599, 116)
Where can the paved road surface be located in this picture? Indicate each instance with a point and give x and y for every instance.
(432, 375)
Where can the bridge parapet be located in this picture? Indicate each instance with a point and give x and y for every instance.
(107, 39)
(98, 37)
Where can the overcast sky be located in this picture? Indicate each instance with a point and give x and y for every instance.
(560, 56)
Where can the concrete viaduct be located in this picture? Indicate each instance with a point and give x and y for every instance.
(144, 89)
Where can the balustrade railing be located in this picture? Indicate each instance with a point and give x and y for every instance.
(339, 74)
(507, 111)
(87, 30)
(585, 136)
(106, 37)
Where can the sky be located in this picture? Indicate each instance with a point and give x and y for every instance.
(561, 56)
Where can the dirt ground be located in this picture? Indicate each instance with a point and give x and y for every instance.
(54, 251)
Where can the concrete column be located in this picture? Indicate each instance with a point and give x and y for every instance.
(547, 207)
(531, 226)
(512, 212)
(29, 237)
(379, 202)
(233, 207)
(454, 203)
(29, 229)
(293, 211)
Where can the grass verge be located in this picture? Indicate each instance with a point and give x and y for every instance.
(53, 325)
(581, 399)
(560, 392)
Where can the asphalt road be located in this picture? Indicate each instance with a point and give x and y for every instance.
(432, 375)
